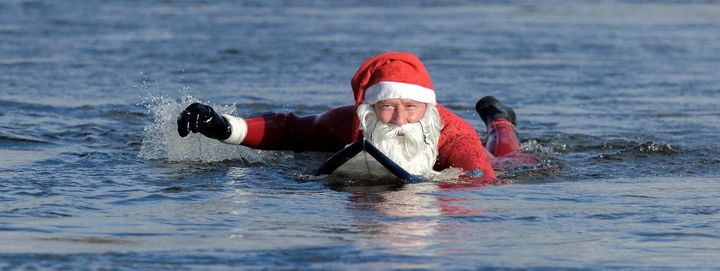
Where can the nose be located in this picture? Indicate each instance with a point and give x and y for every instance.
(399, 117)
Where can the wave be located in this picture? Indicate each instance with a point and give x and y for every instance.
(574, 157)
(577, 143)
(9, 140)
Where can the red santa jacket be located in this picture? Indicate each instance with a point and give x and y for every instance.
(459, 145)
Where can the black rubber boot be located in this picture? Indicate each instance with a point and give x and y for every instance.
(490, 108)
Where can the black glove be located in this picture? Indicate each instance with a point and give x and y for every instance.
(202, 118)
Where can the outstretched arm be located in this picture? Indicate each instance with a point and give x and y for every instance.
(329, 131)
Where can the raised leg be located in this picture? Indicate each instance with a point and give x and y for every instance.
(503, 143)
(502, 138)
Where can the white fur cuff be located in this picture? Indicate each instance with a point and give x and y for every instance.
(238, 128)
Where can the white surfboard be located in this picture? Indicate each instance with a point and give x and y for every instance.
(363, 161)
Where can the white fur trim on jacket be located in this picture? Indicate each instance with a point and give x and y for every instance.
(396, 90)
(238, 128)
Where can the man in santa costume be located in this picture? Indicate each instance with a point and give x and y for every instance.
(395, 108)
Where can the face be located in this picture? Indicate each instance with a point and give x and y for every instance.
(413, 146)
(399, 111)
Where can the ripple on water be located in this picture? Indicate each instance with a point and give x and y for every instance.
(157, 198)
(9, 141)
(12, 159)
(619, 99)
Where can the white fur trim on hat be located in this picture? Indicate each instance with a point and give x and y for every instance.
(396, 90)
(238, 128)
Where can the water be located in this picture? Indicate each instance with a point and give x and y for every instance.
(620, 98)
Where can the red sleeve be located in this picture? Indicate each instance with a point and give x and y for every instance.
(329, 131)
(461, 147)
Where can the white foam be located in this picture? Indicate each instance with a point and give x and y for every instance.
(162, 142)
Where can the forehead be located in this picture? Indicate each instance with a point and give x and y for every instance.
(399, 101)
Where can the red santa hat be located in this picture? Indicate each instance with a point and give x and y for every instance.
(392, 75)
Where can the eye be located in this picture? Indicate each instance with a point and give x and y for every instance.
(411, 107)
(384, 107)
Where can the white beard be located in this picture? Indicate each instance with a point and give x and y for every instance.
(415, 150)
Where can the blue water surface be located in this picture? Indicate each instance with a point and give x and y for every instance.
(619, 99)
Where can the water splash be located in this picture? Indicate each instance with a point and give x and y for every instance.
(537, 147)
(658, 148)
(162, 142)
